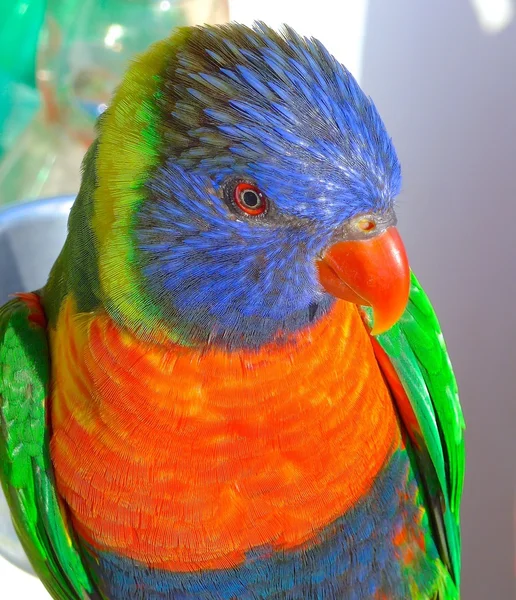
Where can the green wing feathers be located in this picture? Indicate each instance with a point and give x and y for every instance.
(423, 333)
(25, 467)
(416, 349)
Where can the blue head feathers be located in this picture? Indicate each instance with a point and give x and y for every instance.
(278, 112)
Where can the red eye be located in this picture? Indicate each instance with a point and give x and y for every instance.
(250, 199)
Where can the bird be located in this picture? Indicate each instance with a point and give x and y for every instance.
(232, 385)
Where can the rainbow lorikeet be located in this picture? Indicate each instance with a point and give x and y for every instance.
(232, 387)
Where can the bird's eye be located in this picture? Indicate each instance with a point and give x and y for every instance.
(250, 199)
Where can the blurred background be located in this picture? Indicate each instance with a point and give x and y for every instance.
(442, 75)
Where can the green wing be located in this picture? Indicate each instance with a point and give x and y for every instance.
(432, 414)
(25, 468)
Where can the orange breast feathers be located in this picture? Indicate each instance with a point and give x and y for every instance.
(185, 459)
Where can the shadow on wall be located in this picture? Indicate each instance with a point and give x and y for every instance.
(447, 92)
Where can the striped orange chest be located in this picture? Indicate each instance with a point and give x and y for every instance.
(184, 458)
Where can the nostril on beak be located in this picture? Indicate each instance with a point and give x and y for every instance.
(367, 225)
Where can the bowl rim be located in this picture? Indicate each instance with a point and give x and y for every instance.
(18, 211)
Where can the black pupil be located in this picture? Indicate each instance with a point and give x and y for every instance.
(251, 199)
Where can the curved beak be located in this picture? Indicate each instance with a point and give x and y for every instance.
(372, 272)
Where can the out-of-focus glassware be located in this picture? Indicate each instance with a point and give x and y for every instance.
(20, 24)
(84, 49)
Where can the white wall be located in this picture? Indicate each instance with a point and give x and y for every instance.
(15, 583)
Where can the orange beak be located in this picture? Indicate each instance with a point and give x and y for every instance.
(372, 272)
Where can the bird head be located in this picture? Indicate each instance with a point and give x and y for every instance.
(244, 182)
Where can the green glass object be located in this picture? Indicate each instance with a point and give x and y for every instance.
(20, 24)
(83, 51)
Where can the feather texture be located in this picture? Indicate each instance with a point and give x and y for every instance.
(242, 461)
(27, 474)
(415, 348)
(220, 426)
